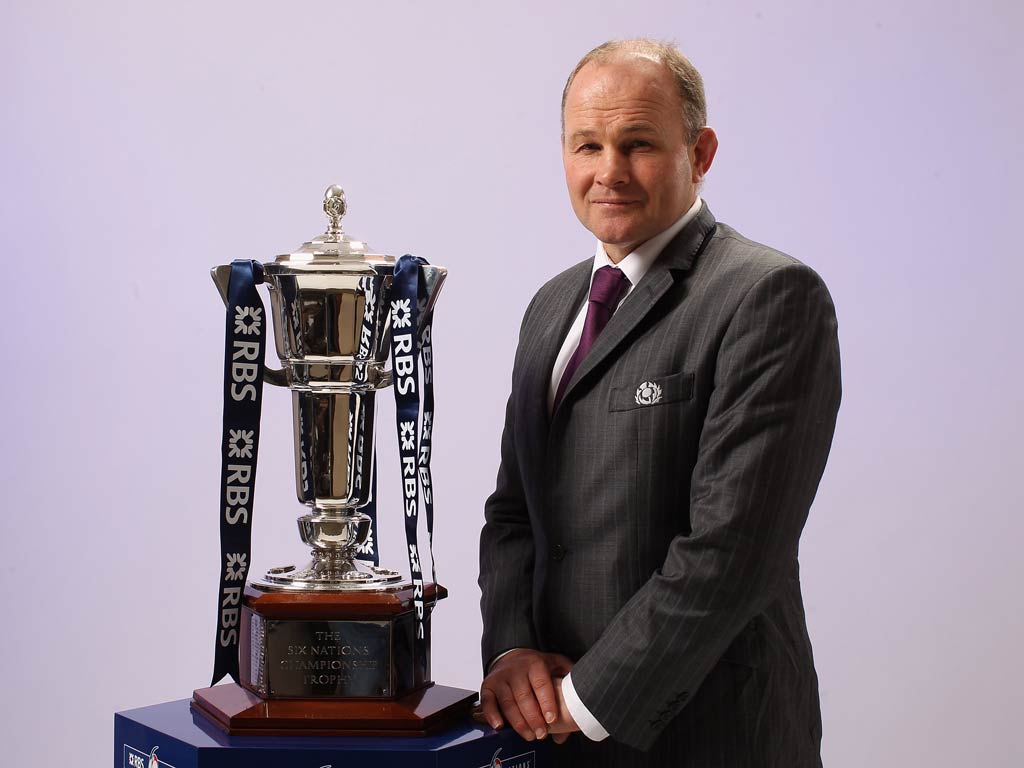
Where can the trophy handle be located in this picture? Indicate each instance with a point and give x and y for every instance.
(221, 277)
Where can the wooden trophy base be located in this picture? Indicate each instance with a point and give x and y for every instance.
(333, 663)
(420, 713)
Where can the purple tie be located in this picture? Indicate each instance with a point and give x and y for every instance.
(606, 291)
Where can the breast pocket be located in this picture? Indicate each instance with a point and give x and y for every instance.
(662, 412)
(652, 392)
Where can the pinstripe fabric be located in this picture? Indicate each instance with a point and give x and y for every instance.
(656, 545)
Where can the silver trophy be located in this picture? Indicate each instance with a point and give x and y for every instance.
(330, 302)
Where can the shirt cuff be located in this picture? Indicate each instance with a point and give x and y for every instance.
(500, 655)
(592, 729)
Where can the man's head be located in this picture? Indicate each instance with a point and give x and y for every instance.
(634, 143)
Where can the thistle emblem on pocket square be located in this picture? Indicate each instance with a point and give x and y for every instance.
(648, 393)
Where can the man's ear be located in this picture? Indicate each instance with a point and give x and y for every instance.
(703, 153)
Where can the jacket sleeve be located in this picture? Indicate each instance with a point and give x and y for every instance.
(507, 549)
(762, 450)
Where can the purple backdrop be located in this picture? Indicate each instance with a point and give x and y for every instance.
(143, 143)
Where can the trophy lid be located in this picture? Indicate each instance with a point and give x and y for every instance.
(334, 248)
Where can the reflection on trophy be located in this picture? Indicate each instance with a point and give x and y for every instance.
(337, 644)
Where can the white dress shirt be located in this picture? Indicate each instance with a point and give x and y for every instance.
(635, 266)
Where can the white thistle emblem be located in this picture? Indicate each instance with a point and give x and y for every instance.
(648, 393)
(407, 435)
(240, 443)
(247, 320)
(234, 569)
(401, 313)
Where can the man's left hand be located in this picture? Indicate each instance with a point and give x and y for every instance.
(520, 689)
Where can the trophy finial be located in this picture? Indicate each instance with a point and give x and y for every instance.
(335, 207)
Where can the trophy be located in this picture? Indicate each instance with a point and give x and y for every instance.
(338, 644)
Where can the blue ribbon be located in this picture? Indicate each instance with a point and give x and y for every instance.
(426, 435)
(408, 337)
(368, 550)
(244, 348)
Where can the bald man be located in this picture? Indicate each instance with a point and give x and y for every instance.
(672, 407)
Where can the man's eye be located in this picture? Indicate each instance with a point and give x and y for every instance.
(587, 148)
(639, 144)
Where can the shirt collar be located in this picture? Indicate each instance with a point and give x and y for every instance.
(637, 262)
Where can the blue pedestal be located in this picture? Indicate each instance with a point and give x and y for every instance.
(186, 740)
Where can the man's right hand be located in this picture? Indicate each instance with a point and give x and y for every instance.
(520, 688)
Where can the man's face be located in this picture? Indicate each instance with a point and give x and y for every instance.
(628, 167)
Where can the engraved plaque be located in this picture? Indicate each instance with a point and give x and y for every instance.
(329, 658)
(258, 659)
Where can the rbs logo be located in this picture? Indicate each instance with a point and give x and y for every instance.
(136, 758)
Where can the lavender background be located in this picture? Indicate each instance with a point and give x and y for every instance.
(143, 143)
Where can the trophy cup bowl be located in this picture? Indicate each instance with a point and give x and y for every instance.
(335, 632)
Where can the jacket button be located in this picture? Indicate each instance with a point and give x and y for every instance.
(558, 552)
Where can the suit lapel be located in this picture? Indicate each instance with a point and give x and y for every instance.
(678, 255)
(542, 351)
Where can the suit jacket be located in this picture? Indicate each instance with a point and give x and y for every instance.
(655, 543)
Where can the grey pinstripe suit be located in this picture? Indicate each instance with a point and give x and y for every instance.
(657, 545)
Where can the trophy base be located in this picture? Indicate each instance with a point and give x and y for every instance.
(334, 645)
(238, 711)
(334, 663)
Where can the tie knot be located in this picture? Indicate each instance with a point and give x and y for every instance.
(608, 287)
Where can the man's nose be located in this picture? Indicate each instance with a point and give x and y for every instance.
(613, 169)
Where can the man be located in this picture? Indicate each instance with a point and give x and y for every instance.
(672, 407)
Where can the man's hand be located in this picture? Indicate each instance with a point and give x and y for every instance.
(564, 724)
(521, 688)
